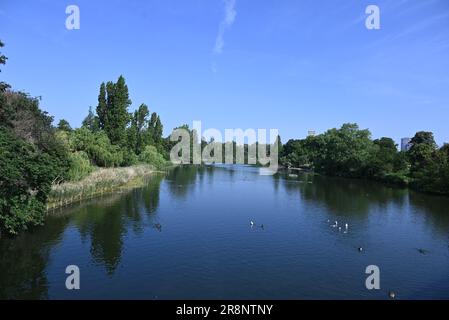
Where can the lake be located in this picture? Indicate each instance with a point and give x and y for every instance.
(187, 235)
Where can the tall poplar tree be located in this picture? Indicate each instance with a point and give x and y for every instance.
(102, 107)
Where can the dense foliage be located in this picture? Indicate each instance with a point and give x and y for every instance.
(350, 152)
(35, 155)
(31, 159)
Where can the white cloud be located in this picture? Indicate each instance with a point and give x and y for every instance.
(226, 23)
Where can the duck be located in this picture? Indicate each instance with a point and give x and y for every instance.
(251, 223)
(360, 249)
(392, 295)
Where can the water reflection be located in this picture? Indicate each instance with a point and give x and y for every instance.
(102, 229)
(352, 198)
(23, 261)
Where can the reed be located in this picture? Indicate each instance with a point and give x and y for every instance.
(99, 182)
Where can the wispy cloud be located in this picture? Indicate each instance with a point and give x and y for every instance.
(226, 23)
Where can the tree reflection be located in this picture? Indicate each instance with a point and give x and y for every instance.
(23, 261)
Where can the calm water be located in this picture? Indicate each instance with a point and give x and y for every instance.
(187, 235)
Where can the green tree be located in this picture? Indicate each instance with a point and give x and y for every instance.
(91, 121)
(31, 159)
(346, 151)
(138, 123)
(102, 108)
(3, 58)
(112, 110)
(64, 125)
(118, 116)
(423, 147)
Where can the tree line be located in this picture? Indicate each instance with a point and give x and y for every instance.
(350, 152)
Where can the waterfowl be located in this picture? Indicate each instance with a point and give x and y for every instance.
(251, 223)
(360, 249)
(392, 295)
(422, 251)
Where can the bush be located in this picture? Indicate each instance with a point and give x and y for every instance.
(80, 166)
(98, 147)
(130, 159)
(26, 177)
(151, 156)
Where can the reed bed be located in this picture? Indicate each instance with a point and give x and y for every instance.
(99, 182)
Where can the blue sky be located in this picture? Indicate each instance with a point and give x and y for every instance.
(290, 65)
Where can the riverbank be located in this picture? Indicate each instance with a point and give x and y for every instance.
(101, 181)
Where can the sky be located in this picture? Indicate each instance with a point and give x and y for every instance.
(292, 65)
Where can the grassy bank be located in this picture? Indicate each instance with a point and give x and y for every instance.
(99, 182)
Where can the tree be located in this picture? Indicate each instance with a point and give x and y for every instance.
(152, 127)
(118, 116)
(140, 119)
(112, 110)
(98, 147)
(64, 125)
(158, 129)
(423, 137)
(423, 147)
(383, 159)
(102, 107)
(346, 151)
(31, 159)
(4, 110)
(3, 58)
(91, 121)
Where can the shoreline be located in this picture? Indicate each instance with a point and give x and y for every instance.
(100, 182)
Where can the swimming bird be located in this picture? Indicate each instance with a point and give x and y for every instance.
(360, 249)
(422, 251)
(346, 226)
(251, 223)
(392, 295)
(335, 224)
(262, 227)
(158, 226)
(339, 229)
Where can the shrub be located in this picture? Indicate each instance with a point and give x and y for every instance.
(151, 156)
(80, 166)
